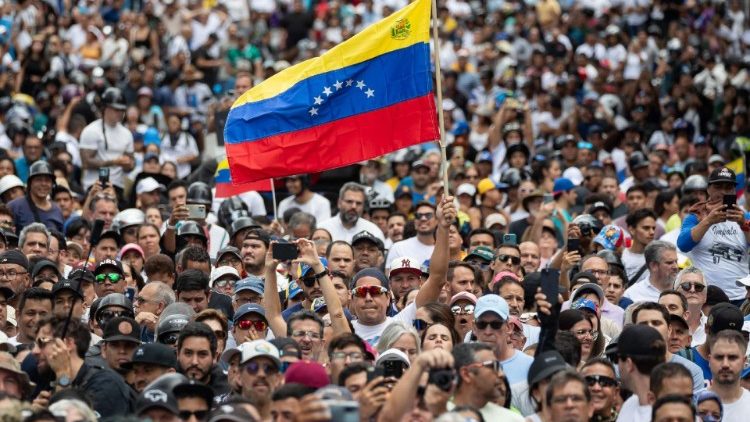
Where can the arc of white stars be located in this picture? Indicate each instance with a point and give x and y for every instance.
(361, 84)
(327, 91)
(318, 100)
(313, 111)
(338, 85)
(370, 92)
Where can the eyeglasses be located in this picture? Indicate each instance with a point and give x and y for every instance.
(482, 265)
(467, 309)
(599, 273)
(199, 414)
(575, 398)
(373, 291)
(300, 334)
(141, 299)
(246, 324)
(228, 262)
(253, 368)
(169, 339)
(224, 283)
(495, 365)
(581, 333)
(423, 215)
(420, 324)
(113, 278)
(709, 416)
(11, 274)
(602, 380)
(687, 286)
(353, 356)
(515, 260)
(105, 316)
(494, 324)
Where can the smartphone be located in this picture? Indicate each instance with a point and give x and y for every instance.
(196, 211)
(574, 244)
(730, 201)
(393, 369)
(509, 238)
(104, 176)
(550, 283)
(284, 251)
(130, 293)
(547, 198)
(343, 410)
(373, 373)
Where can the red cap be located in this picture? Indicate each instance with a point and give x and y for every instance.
(308, 373)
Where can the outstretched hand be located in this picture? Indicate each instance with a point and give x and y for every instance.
(446, 211)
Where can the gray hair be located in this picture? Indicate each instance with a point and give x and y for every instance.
(302, 218)
(63, 407)
(393, 332)
(33, 228)
(655, 250)
(352, 186)
(102, 197)
(163, 294)
(686, 271)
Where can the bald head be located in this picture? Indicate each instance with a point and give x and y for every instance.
(530, 256)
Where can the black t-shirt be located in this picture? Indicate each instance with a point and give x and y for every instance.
(297, 25)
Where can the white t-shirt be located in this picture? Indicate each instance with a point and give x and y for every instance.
(119, 141)
(642, 291)
(71, 145)
(371, 333)
(738, 410)
(219, 238)
(632, 411)
(185, 146)
(318, 206)
(632, 263)
(410, 247)
(339, 232)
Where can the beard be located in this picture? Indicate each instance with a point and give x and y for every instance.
(349, 217)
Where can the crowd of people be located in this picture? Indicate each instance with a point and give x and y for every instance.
(588, 260)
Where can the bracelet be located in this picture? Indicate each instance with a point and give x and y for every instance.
(321, 274)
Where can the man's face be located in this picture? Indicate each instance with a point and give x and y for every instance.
(63, 300)
(118, 352)
(197, 299)
(293, 185)
(380, 218)
(342, 290)
(462, 281)
(506, 259)
(65, 202)
(726, 360)
(351, 206)
(356, 383)
(569, 403)
(249, 327)
(613, 290)
(36, 244)
(673, 304)
(513, 294)
(246, 296)
(260, 377)
(33, 310)
(309, 335)
(530, 256)
(421, 177)
(599, 267)
(674, 412)
(395, 228)
(195, 358)
(636, 200)
(108, 286)
(654, 319)
(679, 337)
(42, 348)
(424, 220)
(144, 373)
(667, 267)
(366, 254)
(146, 300)
(351, 353)
(149, 199)
(341, 259)
(253, 253)
(644, 230)
(695, 299)
(177, 196)
(610, 187)
(370, 309)
(14, 276)
(284, 410)
(603, 397)
(105, 210)
(486, 382)
(106, 249)
(494, 330)
(193, 405)
(403, 281)
(159, 415)
(10, 384)
(716, 191)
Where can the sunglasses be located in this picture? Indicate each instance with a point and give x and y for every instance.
(247, 324)
(169, 339)
(602, 380)
(420, 324)
(284, 366)
(423, 215)
(495, 365)
(467, 309)
(253, 368)
(593, 333)
(308, 281)
(515, 260)
(113, 278)
(106, 316)
(480, 264)
(495, 324)
(373, 291)
(199, 414)
(686, 286)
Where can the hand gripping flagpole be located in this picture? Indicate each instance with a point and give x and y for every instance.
(439, 89)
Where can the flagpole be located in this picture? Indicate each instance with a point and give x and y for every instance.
(439, 88)
(273, 198)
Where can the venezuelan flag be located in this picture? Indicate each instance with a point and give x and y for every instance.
(225, 188)
(366, 97)
(738, 167)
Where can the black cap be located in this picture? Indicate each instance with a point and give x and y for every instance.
(722, 175)
(42, 264)
(544, 366)
(155, 398)
(677, 319)
(111, 234)
(367, 236)
(586, 275)
(640, 340)
(725, 316)
(193, 388)
(72, 285)
(7, 292)
(14, 256)
(80, 274)
(599, 205)
(228, 250)
(714, 296)
(122, 329)
(153, 353)
(108, 263)
(229, 412)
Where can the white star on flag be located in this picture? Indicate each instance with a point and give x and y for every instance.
(360, 84)
(313, 111)
(370, 93)
(338, 85)
(327, 91)
(318, 101)
(349, 82)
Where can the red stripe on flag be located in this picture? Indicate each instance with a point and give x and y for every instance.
(335, 144)
(226, 190)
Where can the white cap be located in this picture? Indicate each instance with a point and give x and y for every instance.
(744, 281)
(220, 272)
(393, 354)
(574, 175)
(149, 184)
(495, 218)
(251, 350)
(405, 264)
(466, 189)
(11, 316)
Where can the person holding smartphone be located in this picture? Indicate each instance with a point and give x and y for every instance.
(716, 233)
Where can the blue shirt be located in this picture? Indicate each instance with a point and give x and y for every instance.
(517, 367)
(23, 216)
(702, 363)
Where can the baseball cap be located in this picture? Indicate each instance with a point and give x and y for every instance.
(371, 272)
(611, 237)
(156, 398)
(491, 303)
(714, 296)
(308, 373)
(485, 185)
(220, 272)
(674, 318)
(153, 353)
(132, 247)
(122, 329)
(725, 316)
(64, 284)
(405, 264)
(252, 283)
(599, 205)
(640, 340)
(587, 275)
(246, 309)
(318, 304)
(419, 163)
(304, 269)
(229, 413)
(482, 252)
(716, 158)
(293, 290)
(722, 175)
(393, 355)
(42, 264)
(14, 256)
(253, 349)
(402, 190)
(493, 219)
(148, 184)
(744, 281)
(108, 263)
(544, 366)
(463, 296)
(585, 304)
(562, 184)
(588, 287)
(192, 388)
(150, 156)
(466, 189)
(8, 293)
(228, 250)
(365, 236)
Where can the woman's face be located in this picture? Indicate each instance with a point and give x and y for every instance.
(554, 171)
(438, 336)
(153, 216)
(173, 124)
(587, 342)
(407, 344)
(454, 238)
(6, 167)
(709, 408)
(169, 170)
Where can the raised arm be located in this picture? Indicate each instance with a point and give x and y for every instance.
(271, 300)
(430, 290)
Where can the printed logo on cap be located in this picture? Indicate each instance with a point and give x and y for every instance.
(155, 396)
(405, 263)
(725, 172)
(139, 352)
(124, 327)
(263, 348)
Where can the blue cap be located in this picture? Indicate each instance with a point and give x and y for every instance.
(151, 136)
(252, 283)
(318, 304)
(293, 290)
(584, 303)
(491, 303)
(402, 190)
(563, 184)
(484, 156)
(425, 268)
(246, 309)
(305, 269)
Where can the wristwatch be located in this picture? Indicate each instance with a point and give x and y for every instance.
(321, 274)
(63, 381)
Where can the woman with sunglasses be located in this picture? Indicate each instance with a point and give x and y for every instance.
(432, 313)
(462, 307)
(400, 336)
